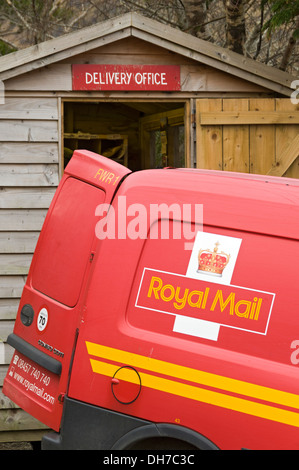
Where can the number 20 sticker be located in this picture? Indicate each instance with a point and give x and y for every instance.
(42, 319)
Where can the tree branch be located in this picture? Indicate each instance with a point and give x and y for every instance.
(9, 2)
(11, 44)
(289, 49)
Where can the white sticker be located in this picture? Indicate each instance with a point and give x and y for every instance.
(204, 266)
(196, 327)
(42, 319)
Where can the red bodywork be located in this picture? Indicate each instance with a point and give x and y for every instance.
(57, 280)
(127, 313)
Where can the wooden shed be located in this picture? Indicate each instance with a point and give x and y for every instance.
(142, 93)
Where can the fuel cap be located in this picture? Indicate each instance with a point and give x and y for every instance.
(126, 385)
(27, 314)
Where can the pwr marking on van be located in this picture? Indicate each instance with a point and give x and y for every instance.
(106, 176)
(230, 306)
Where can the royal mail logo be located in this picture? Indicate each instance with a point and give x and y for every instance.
(224, 305)
(203, 300)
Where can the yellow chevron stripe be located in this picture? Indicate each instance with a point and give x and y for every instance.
(198, 394)
(225, 384)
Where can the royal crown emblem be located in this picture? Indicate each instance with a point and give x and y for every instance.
(212, 262)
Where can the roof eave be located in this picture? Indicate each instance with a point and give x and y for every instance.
(133, 24)
(65, 46)
(213, 55)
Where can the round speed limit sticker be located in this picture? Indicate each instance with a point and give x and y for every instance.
(42, 319)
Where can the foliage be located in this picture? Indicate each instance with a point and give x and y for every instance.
(283, 13)
(6, 48)
(265, 30)
(37, 18)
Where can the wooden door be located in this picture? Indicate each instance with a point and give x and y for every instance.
(256, 135)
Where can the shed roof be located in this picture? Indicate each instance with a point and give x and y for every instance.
(151, 31)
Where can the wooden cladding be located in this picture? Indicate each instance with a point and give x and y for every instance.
(29, 175)
(256, 117)
(248, 135)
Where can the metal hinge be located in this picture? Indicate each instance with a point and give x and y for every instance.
(61, 397)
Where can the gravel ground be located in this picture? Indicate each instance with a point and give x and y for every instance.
(15, 446)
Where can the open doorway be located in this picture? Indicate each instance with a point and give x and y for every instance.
(138, 135)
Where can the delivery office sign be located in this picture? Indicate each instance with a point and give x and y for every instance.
(126, 77)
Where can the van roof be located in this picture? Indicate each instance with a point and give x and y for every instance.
(258, 203)
(243, 176)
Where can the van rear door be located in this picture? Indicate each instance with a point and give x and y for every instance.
(52, 302)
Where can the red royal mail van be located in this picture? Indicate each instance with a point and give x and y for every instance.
(161, 311)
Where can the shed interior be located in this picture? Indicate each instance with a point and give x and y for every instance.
(137, 134)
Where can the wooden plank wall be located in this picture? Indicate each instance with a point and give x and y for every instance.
(231, 135)
(195, 77)
(29, 174)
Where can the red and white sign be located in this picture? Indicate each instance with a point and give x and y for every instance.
(226, 305)
(126, 77)
(204, 299)
(33, 380)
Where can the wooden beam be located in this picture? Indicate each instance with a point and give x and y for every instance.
(6, 353)
(29, 108)
(5, 330)
(248, 117)
(17, 243)
(25, 152)
(11, 286)
(28, 175)
(15, 264)
(8, 311)
(22, 436)
(26, 197)
(11, 420)
(286, 159)
(28, 131)
(22, 220)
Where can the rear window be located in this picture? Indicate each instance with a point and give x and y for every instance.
(254, 310)
(65, 247)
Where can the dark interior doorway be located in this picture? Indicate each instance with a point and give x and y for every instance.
(137, 134)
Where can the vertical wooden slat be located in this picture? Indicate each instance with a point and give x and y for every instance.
(208, 138)
(188, 143)
(236, 139)
(285, 135)
(262, 139)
